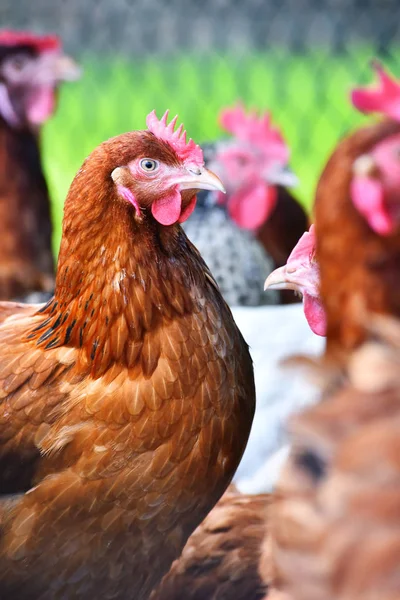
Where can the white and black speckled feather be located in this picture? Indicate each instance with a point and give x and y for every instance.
(236, 259)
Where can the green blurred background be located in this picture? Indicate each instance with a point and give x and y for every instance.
(296, 58)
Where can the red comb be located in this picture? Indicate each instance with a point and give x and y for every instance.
(186, 151)
(255, 130)
(24, 38)
(385, 98)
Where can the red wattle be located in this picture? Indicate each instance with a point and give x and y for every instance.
(315, 314)
(41, 104)
(368, 197)
(185, 214)
(167, 210)
(250, 208)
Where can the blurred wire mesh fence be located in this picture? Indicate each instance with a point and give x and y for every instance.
(297, 58)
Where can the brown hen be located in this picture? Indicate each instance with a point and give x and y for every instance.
(31, 68)
(127, 400)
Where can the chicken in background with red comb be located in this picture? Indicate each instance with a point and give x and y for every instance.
(31, 70)
(357, 226)
(128, 398)
(301, 274)
(258, 222)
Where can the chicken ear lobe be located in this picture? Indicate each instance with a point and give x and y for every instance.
(368, 197)
(118, 176)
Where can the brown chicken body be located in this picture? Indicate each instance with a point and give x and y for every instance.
(31, 68)
(221, 558)
(127, 400)
(359, 268)
(26, 260)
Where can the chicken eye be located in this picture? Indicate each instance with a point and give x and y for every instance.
(149, 165)
(18, 62)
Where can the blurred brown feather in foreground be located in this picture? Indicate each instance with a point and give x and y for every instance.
(336, 518)
(126, 401)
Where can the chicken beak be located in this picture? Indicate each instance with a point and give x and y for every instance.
(280, 279)
(199, 178)
(66, 69)
(281, 175)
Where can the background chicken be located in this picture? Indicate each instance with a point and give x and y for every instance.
(357, 215)
(128, 398)
(336, 519)
(253, 229)
(31, 69)
(356, 211)
(221, 558)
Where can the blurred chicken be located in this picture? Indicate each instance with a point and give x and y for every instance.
(357, 213)
(127, 399)
(336, 517)
(253, 229)
(31, 69)
(221, 558)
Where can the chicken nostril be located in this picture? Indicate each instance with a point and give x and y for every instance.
(195, 171)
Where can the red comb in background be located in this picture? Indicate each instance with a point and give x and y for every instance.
(187, 151)
(41, 43)
(383, 98)
(255, 130)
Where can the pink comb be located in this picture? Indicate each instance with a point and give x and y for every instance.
(255, 130)
(385, 98)
(186, 151)
(304, 247)
(24, 38)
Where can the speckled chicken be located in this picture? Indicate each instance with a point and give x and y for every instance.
(253, 229)
(31, 69)
(127, 400)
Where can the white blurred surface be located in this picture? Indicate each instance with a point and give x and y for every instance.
(274, 333)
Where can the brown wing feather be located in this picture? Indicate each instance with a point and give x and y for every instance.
(140, 439)
(221, 558)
